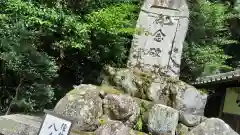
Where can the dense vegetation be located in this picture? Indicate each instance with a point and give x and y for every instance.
(48, 46)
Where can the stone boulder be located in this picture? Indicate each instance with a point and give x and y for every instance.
(190, 120)
(188, 99)
(212, 126)
(162, 120)
(84, 105)
(121, 107)
(133, 82)
(159, 89)
(116, 128)
(18, 124)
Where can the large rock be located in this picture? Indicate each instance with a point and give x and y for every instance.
(212, 126)
(19, 124)
(82, 104)
(121, 107)
(188, 99)
(162, 120)
(133, 82)
(116, 128)
(157, 46)
(159, 89)
(144, 85)
(190, 120)
(125, 79)
(177, 94)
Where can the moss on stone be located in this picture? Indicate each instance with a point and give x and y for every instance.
(172, 80)
(101, 121)
(203, 91)
(140, 126)
(146, 79)
(110, 90)
(145, 105)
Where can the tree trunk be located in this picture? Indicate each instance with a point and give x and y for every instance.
(15, 98)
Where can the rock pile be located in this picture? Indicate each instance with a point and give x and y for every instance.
(133, 102)
(109, 110)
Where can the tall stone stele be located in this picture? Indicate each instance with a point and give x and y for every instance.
(160, 32)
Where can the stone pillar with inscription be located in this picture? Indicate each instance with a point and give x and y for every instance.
(160, 32)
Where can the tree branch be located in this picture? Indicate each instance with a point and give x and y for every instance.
(15, 98)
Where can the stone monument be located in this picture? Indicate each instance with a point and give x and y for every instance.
(160, 32)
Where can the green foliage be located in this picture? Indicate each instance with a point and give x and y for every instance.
(29, 69)
(101, 121)
(67, 30)
(207, 35)
(110, 31)
(47, 46)
(140, 125)
(204, 91)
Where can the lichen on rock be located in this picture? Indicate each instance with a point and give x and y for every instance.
(108, 89)
(212, 126)
(162, 120)
(116, 128)
(159, 89)
(82, 104)
(121, 107)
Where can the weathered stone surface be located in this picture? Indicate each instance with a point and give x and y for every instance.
(159, 89)
(158, 44)
(188, 99)
(145, 107)
(203, 118)
(177, 94)
(162, 120)
(82, 104)
(19, 124)
(189, 119)
(116, 128)
(108, 89)
(121, 107)
(125, 79)
(133, 82)
(181, 129)
(140, 84)
(212, 126)
(144, 103)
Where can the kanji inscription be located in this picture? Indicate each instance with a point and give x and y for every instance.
(163, 25)
(53, 125)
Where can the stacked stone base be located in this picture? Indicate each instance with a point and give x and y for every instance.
(132, 103)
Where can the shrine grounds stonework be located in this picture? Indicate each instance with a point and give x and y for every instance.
(111, 110)
(146, 98)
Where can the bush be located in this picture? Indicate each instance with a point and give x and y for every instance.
(207, 35)
(47, 46)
